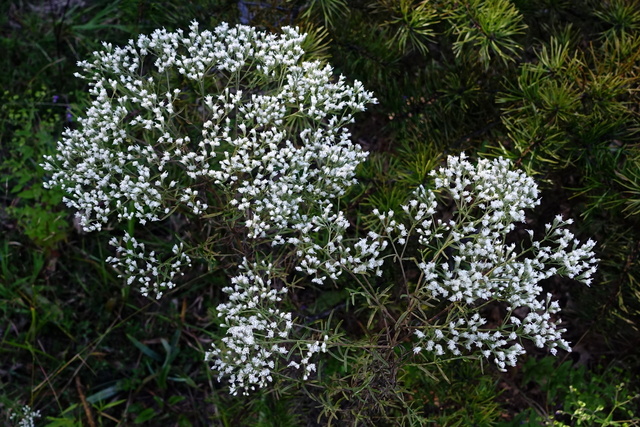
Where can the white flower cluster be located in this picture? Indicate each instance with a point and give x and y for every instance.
(256, 330)
(153, 275)
(266, 131)
(273, 147)
(26, 418)
(230, 119)
(311, 349)
(328, 257)
(467, 260)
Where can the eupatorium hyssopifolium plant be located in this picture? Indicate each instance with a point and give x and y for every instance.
(232, 129)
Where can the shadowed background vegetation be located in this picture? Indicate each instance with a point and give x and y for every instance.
(550, 84)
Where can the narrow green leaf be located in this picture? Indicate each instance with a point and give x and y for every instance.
(146, 350)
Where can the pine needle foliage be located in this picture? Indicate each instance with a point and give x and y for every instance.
(409, 25)
(328, 11)
(487, 29)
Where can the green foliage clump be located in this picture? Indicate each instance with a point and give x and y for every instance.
(28, 125)
(568, 395)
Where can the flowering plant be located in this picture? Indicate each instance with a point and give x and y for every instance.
(26, 418)
(466, 261)
(226, 121)
(233, 129)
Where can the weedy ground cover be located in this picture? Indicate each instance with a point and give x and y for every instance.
(551, 87)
